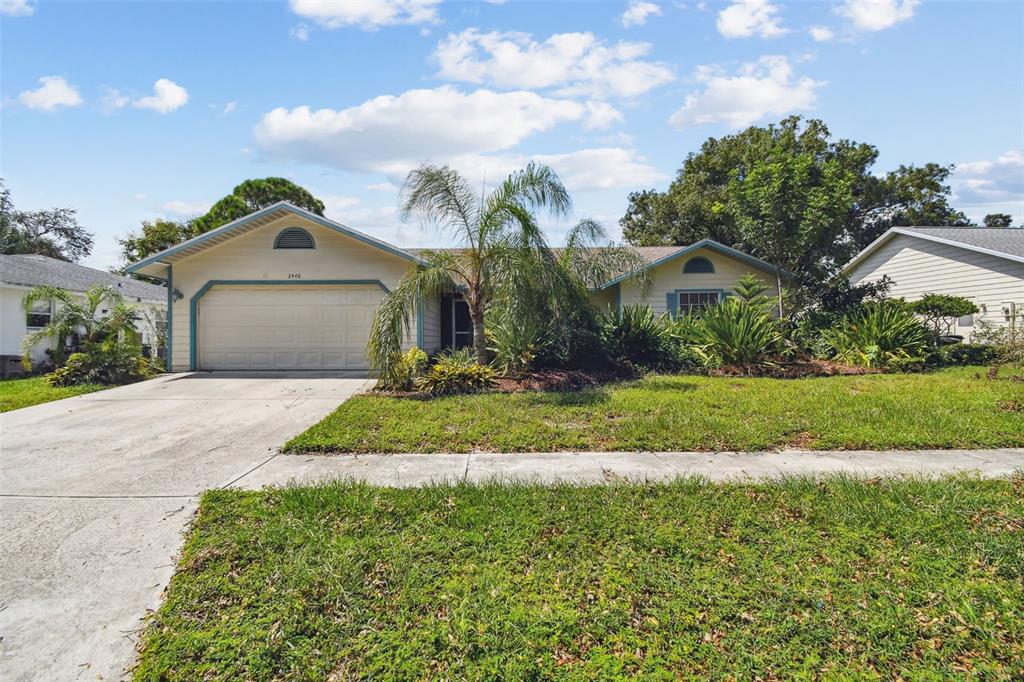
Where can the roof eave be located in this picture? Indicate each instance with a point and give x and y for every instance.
(893, 231)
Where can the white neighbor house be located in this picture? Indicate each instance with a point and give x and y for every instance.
(20, 273)
(983, 264)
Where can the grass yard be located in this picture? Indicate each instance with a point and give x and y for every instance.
(842, 579)
(954, 408)
(18, 393)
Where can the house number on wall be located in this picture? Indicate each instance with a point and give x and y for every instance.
(294, 275)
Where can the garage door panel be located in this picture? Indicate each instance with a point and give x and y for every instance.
(288, 327)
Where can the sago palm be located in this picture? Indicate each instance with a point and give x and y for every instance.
(78, 315)
(500, 245)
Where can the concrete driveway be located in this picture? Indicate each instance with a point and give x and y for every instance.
(96, 490)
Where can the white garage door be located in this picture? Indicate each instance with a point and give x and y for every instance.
(287, 327)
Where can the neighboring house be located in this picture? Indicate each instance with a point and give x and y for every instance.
(983, 264)
(283, 288)
(20, 273)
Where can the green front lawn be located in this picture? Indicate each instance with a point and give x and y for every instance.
(18, 393)
(838, 579)
(954, 408)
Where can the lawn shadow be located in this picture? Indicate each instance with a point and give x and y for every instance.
(584, 398)
(667, 384)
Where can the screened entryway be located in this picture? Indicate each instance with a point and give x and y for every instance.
(456, 325)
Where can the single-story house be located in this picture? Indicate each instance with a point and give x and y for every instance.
(21, 272)
(983, 264)
(283, 288)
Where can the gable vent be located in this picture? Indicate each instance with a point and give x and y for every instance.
(294, 238)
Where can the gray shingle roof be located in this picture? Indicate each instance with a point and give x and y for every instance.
(1008, 240)
(32, 270)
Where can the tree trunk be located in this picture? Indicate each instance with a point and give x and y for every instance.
(479, 340)
(778, 280)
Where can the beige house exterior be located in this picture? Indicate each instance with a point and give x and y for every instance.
(284, 289)
(985, 265)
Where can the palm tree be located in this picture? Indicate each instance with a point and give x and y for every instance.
(500, 245)
(78, 316)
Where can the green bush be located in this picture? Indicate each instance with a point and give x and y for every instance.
(1007, 342)
(634, 334)
(941, 311)
(960, 354)
(109, 363)
(884, 334)
(739, 332)
(514, 339)
(401, 375)
(447, 378)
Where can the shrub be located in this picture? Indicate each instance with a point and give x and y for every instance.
(109, 363)
(514, 339)
(940, 312)
(885, 334)
(446, 378)
(401, 375)
(463, 357)
(821, 307)
(960, 354)
(739, 332)
(634, 334)
(574, 339)
(1007, 342)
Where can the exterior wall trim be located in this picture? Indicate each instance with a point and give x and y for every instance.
(194, 302)
(169, 361)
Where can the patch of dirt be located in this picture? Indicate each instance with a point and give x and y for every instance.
(795, 370)
(558, 380)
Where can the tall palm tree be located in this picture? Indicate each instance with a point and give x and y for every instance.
(78, 316)
(500, 243)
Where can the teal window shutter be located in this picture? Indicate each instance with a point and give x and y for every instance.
(672, 303)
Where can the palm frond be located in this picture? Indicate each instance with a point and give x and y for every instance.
(439, 195)
(534, 187)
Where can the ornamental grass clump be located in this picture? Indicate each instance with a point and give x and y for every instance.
(885, 334)
(739, 332)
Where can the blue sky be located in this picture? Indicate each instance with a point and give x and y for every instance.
(129, 111)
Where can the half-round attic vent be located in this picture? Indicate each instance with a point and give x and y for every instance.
(294, 238)
(698, 266)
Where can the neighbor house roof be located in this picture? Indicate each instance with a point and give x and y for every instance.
(31, 270)
(1003, 242)
(654, 256)
(156, 265)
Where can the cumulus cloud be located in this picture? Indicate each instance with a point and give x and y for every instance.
(638, 12)
(574, 63)
(167, 96)
(17, 8)
(53, 92)
(474, 132)
(368, 15)
(821, 34)
(877, 15)
(389, 132)
(990, 182)
(758, 89)
(747, 18)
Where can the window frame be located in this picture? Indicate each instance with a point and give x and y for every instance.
(678, 312)
(49, 315)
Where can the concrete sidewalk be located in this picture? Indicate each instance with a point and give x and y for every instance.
(596, 467)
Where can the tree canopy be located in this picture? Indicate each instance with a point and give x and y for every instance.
(998, 220)
(252, 195)
(156, 235)
(804, 182)
(53, 232)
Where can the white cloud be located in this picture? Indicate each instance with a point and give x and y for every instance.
(638, 11)
(17, 8)
(1000, 181)
(52, 93)
(877, 15)
(758, 89)
(389, 132)
(821, 34)
(366, 14)
(114, 99)
(577, 63)
(746, 18)
(186, 208)
(300, 32)
(167, 96)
